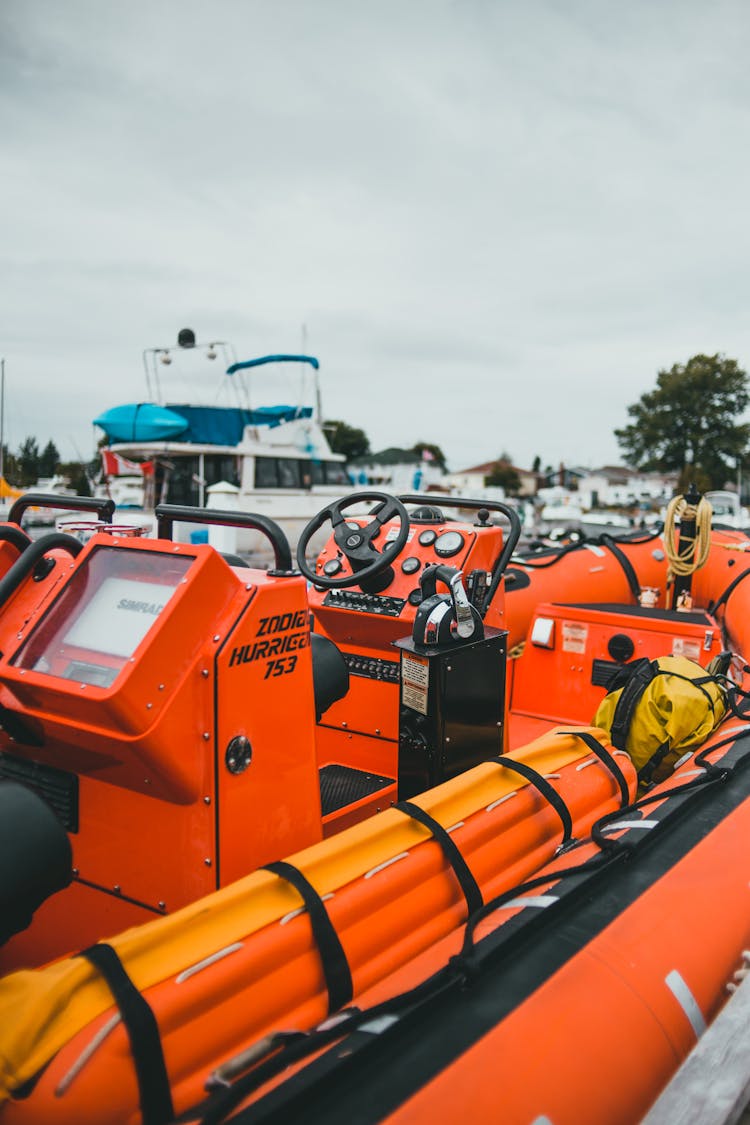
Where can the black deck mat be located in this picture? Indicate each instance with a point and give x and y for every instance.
(342, 785)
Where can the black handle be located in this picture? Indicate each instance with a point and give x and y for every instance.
(12, 534)
(168, 514)
(104, 509)
(431, 575)
(24, 565)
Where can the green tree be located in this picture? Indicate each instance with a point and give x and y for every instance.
(77, 476)
(10, 466)
(49, 460)
(503, 475)
(28, 461)
(689, 423)
(537, 464)
(435, 453)
(346, 439)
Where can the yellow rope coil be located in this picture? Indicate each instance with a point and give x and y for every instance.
(695, 552)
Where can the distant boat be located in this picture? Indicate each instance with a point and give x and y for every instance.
(273, 459)
(727, 509)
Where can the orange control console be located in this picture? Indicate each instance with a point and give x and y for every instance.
(166, 711)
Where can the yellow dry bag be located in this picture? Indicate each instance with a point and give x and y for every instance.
(662, 709)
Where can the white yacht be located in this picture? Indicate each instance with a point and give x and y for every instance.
(272, 460)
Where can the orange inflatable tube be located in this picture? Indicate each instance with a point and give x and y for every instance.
(223, 973)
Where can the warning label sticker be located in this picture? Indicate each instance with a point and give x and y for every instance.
(415, 680)
(681, 646)
(574, 636)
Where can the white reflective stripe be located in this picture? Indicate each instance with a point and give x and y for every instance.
(630, 824)
(85, 1055)
(301, 910)
(595, 550)
(539, 901)
(551, 776)
(543, 1120)
(684, 997)
(691, 773)
(196, 968)
(501, 800)
(334, 1020)
(453, 827)
(588, 762)
(379, 1025)
(622, 753)
(382, 866)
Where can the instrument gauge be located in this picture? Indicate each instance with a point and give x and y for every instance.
(448, 544)
(428, 537)
(411, 565)
(333, 566)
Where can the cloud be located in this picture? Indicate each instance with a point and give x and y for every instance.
(496, 220)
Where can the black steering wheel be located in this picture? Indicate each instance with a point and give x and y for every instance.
(356, 543)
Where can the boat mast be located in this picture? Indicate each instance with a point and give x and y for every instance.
(318, 404)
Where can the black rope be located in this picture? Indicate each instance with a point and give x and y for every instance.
(336, 969)
(451, 852)
(143, 1033)
(606, 758)
(559, 553)
(547, 791)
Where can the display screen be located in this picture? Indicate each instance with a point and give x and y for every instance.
(102, 615)
(118, 616)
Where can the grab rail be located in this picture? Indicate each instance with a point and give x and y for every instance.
(168, 514)
(104, 509)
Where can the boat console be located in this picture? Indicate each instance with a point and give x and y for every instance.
(165, 699)
(164, 704)
(366, 593)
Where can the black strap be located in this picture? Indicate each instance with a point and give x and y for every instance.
(606, 758)
(143, 1033)
(723, 598)
(630, 696)
(451, 852)
(336, 969)
(627, 566)
(547, 791)
(646, 772)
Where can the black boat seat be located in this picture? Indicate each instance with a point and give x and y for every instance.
(35, 856)
(330, 673)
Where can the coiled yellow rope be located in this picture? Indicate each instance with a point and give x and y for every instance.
(695, 552)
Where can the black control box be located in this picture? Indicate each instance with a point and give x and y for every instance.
(452, 709)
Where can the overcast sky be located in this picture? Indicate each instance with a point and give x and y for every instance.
(497, 219)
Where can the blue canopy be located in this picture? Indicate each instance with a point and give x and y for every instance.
(273, 359)
(206, 425)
